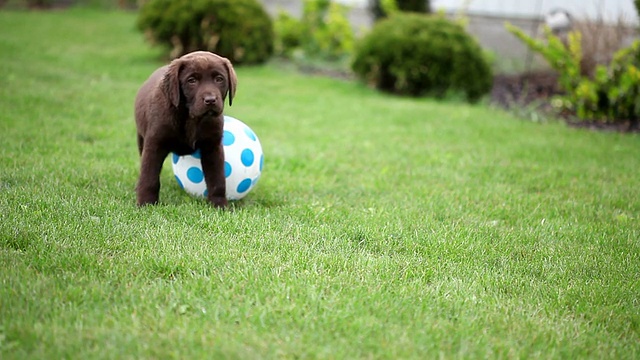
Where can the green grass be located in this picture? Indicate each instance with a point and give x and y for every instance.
(382, 227)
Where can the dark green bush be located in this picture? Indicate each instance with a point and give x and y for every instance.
(423, 54)
(42, 4)
(48, 4)
(104, 4)
(239, 30)
(377, 7)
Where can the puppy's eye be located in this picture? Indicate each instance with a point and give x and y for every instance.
(219, 78)
(191, 80)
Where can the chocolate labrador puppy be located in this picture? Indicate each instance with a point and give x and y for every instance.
(179, 109)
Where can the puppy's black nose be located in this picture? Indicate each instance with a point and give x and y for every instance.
(209, 100)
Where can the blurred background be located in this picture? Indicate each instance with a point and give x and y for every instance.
(528, 70)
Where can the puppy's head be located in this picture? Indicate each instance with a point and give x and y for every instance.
(200, 81)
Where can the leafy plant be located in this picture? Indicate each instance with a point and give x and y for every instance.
(618, 87)
(420, 54)
(611, 95)
(288, 34)
(334, 36)
(323, 31)
(565, 59)
(240, 30)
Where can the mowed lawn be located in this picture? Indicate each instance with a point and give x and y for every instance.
(382, 227)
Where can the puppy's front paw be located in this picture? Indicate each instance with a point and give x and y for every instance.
(218, 201)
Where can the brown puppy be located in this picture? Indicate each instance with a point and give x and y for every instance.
(179, 109)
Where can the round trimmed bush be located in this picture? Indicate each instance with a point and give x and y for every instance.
(240, 30)
(417, 55)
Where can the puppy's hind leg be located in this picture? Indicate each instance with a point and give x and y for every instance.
(140, 144)
(148, 188)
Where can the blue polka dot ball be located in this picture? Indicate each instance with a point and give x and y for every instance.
(243, 159)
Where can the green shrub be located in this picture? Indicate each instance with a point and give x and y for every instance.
(323, 31)
(422, 54)
(383, 8)
(289, 32)
(611, 95)
(240, 30)
(331, 36)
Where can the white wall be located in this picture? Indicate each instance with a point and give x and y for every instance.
(610, 10)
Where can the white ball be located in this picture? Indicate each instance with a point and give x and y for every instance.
(243, 160)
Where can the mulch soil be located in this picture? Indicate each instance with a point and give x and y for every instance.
(525, 89)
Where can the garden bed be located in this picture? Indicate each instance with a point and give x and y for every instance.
(535, 91)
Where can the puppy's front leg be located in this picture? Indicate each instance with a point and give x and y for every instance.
(213, 167)
(148, 188)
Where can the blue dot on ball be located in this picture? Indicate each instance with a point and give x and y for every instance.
(250, 133)
(261, 161)
(195, 175)
(179, 182)
(227, 169)
(228, 138)
(205, 193)
(175, 158)
(247, 157)
(196, 154)
(244, 185)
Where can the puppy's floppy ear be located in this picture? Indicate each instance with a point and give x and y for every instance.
(171, 82)
(232, 79)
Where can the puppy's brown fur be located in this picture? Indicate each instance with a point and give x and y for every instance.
(179, 109)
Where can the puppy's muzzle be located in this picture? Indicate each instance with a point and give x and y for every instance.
(208, 105)
(210, 100)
